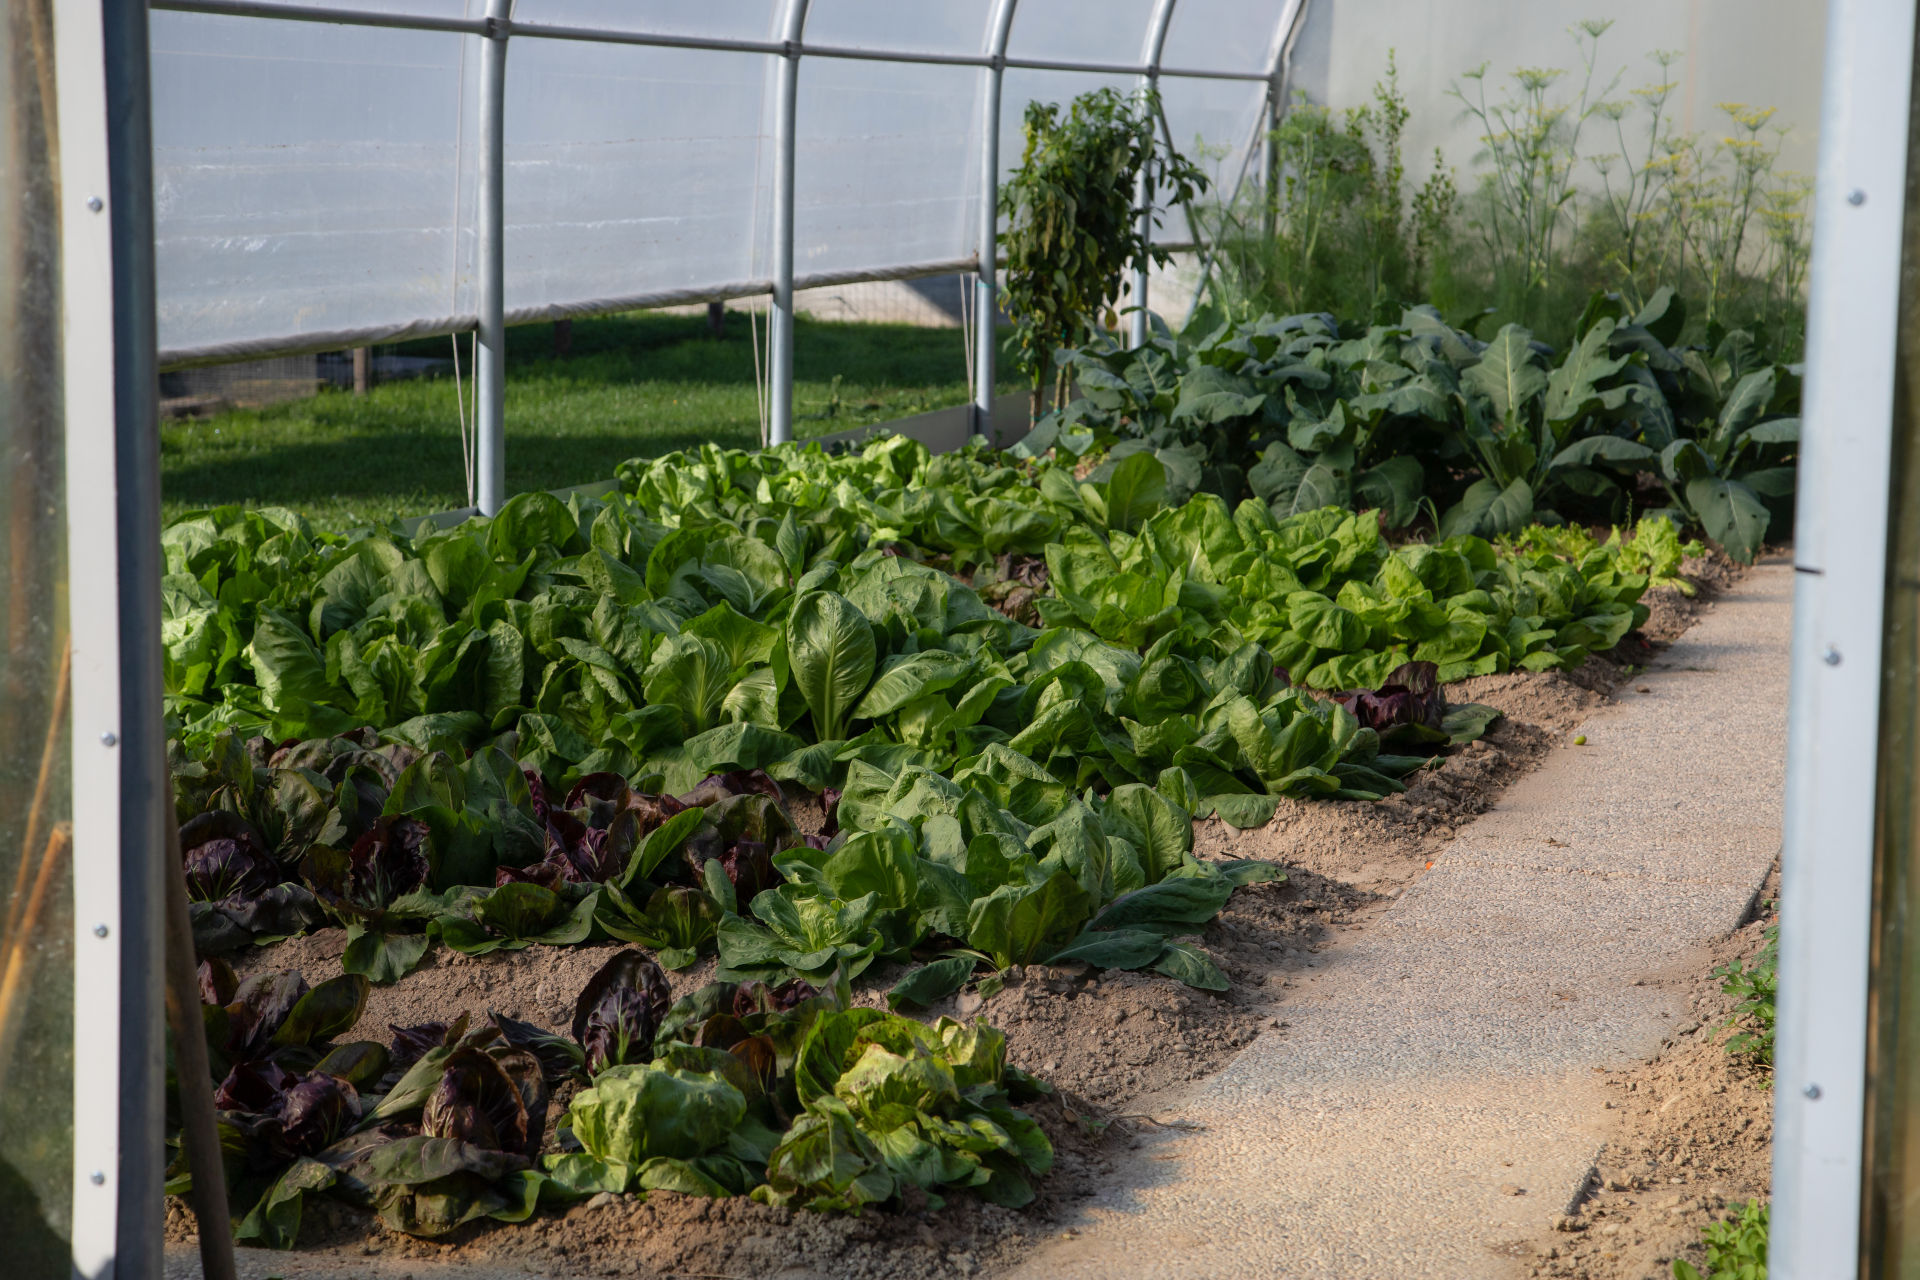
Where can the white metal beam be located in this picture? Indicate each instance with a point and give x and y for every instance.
(1841, 535)
(986, 298)
(1142, 194)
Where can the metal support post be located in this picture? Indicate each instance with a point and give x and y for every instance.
(490, 391)
(1142, 193)
(1270, 211)
(1827, 908)
(986, 297)
(1279, 76)
(786, 103)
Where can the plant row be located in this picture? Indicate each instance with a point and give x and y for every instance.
(575, 720)
(786, 1093)
(1484, 437)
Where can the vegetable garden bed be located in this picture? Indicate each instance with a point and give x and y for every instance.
(774, 720)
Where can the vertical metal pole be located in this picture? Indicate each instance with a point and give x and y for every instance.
(1142, 196)
(1840, 586)
(1269, 213)
(1279, 74)
(490, 391)
(115, 731)
(986, 297)
(780, 319)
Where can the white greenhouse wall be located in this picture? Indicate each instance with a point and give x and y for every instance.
(1758, 52)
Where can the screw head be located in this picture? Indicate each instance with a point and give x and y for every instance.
(1856, 197)
(1831, 656)
(109, 739)
(97, 1178)
(1813, 1092)
(100, 931)
(95, 203)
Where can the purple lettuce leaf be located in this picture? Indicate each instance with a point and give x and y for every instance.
(620, 1010)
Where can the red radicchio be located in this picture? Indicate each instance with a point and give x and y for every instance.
(620, 1010)
(1408, 707)
(224, 858)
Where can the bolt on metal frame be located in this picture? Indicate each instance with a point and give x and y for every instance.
(499, 26)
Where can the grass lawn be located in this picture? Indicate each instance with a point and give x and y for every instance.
(637, 385)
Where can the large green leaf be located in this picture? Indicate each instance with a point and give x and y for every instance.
(1575, 389)
(289, 668)
(1487, 509)
(1601, 448)
(1137, 489)
(831, 648)
(1732, 514)
(1508, 374)
(931, 983)
(1395, 487)
(1019, 924)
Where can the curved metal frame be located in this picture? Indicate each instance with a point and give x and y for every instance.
(490, 391)
(986, 295)
(1142, 194)
(499, 25)
(780, 317)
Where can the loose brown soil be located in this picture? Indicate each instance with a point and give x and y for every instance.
(1108, 1041)
(1694, 1139)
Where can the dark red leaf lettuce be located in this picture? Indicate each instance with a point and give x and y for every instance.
(620, 1010)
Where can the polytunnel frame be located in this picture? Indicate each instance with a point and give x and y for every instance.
(1838, 669)
(117, 741)
(498, 27)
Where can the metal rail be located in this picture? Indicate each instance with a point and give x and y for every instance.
(666, 40)
(299, 344)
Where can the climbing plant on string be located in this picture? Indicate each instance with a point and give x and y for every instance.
(1072, 233)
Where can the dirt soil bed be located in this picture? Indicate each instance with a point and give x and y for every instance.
(1111, 1042)
(1695, 1135)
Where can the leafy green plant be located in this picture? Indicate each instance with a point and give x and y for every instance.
(738, 1088)
(1736, 1248)
(607, 699)
(1756, 985)
(1533, 145)
(1489, 436)
(1072, 229)
(1710, 216)
(1339, 219)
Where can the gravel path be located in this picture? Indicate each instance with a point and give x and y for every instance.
(1431, 1105)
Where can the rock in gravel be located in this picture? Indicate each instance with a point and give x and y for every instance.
(603, 1200)
(1512, 1189)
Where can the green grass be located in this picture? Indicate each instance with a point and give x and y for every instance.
(633, 386)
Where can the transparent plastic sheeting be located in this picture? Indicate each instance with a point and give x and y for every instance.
(310, 178)
(318, 179)
(36, 868)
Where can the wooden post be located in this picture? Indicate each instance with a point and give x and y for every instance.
(716, 319)
(362, 370)
(562, 339)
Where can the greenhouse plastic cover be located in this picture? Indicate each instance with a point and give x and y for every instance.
(315, 179)
(318, 180)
